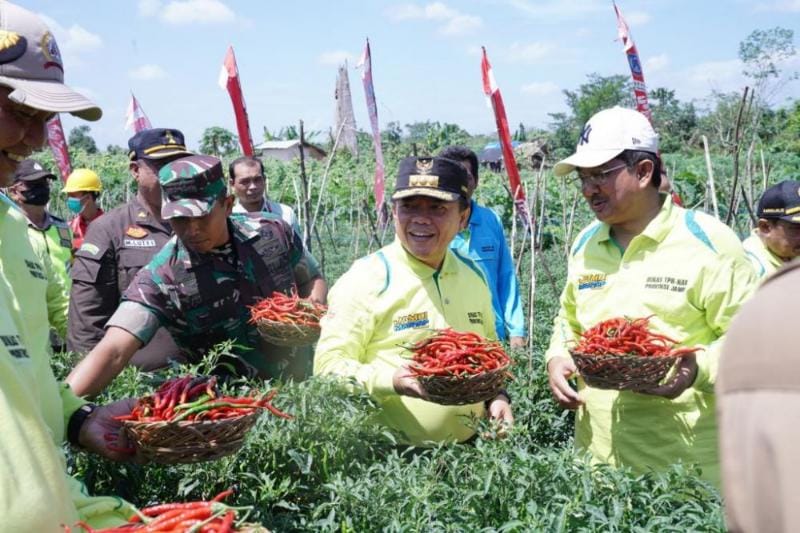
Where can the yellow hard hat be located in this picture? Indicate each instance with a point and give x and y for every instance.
(83, 179)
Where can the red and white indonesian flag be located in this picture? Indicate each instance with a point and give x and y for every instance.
(135, 117)
(58, 144)
(639, 87)
(229, 80)
(493, 93)
(365, 64)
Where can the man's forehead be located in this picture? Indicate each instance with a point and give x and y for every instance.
(246, 169)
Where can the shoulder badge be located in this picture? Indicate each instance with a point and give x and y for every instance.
(137, 232)
(89, 248)
(141, 214)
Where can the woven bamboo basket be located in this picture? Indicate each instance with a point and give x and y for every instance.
(189, 441)
(622, 372)
(283, 334)
(464, 389)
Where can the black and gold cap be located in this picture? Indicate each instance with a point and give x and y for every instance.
(435, 177)
(157, 143)
(781, 201)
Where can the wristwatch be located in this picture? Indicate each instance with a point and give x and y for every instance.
(76, 422)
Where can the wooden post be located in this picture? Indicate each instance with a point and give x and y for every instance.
(736, 138)
(710, 188)
(306, 204)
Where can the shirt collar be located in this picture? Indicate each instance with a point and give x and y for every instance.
(420, 269)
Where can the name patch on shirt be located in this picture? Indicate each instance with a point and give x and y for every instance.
(35, 270)
(475, 317)
(139, 243)
(414, 320)
(666, 283)
(14, 345)
(591, 281)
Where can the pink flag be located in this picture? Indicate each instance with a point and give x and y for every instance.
(135, 117)
(365, 63)
(493, 93)
(229, 80)
(58, 144)
(639, 88)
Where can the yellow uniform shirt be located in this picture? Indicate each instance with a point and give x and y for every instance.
(35, 492)
(52, 246)
(390, 298)
(763, 260)
(690, 272)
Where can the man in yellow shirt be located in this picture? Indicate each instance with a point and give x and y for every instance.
(645, 256)
(36, 494)
(776, 238)
(401, 293)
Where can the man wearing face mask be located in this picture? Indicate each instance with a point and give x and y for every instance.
(82, 188)
(31, 192)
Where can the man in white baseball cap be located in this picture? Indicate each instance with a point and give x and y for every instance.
(645, 257)
(38, 412)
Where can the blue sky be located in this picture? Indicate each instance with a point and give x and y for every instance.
(426, 56)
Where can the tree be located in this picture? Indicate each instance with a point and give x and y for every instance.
(219, 142)
(674, 121)
(80, 139)
(764, 51)
(520, 135)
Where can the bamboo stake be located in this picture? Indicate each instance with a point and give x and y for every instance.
(325, 176)
(763, 172)
(710, 189)
(306, 205)
(571, 222)
(736, 140)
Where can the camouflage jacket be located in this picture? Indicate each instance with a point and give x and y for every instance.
(202, 300)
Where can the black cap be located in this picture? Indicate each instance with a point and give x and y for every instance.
(436, 177)
(781, 202)
(157, 143)
(32, 170)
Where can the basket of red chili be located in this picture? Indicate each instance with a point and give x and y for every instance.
(459, 368)
(623, 354)
(187, 420)
(287, 320)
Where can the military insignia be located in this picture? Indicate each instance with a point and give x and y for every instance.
(89, 248)
(137, 232)
(51, 51)
(12, 46)
(141, 214)
(416, 180)
(170, 138)
(424, 166)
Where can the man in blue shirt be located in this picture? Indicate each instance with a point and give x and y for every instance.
(483, 241)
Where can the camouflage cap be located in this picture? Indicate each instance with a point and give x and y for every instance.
(190, 186)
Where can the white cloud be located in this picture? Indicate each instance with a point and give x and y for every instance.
(549, 9)
(453, 22)
(636, 19)
(715, 72)
(147, 73)
(656, 63)
(182, 12)
(540, 88)
(336, 58)
(790, 6)
(149, 8)
(529, 52)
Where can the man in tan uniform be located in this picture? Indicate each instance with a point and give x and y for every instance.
(758, 409)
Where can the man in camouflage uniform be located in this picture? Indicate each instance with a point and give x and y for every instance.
(118, 244)
(199, 285)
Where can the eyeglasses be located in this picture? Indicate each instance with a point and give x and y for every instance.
(597, 178)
